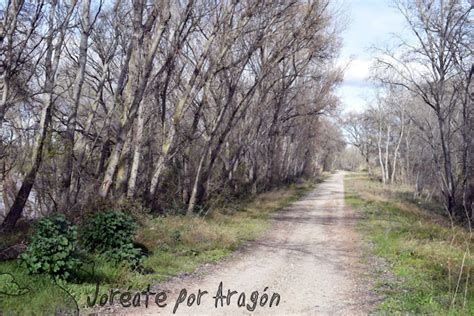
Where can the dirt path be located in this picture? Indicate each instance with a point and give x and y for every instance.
(309, 257)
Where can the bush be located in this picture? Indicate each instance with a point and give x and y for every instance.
(127, 253)
(111, 234)
(52, 249)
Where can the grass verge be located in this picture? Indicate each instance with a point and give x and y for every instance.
(429, 262)
(177, 245)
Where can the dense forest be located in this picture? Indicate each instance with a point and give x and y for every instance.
(164, 103)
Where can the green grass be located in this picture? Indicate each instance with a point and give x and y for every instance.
(423, 253)
(178, 245)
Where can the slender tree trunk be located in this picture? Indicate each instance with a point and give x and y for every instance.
(4, 102)
(467, 136)
(379, 147)
(122, 173)
(71, 122)
(196, 192)
(132, 181)
(386, 164)
(407, 155)
(157, 173)
(254, 175)
(186, 181)
(448, 172)
(15, 8)
(397, 148)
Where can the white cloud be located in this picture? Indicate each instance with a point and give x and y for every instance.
(373, 23)
(356, 72)
(354, 98)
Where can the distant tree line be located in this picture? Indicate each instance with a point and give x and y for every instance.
(420, 130)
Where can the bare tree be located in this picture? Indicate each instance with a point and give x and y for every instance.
(428, 70)
(51, 65)
(163, 102)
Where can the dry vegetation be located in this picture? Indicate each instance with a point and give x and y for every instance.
(177, 245)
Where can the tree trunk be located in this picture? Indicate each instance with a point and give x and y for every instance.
(379, 147)
(386, 164)
(450, 200)
(197, 191)
(15, 8)
(132, 181)
(157, 173)
(21, 198)
(397, 148)
(71, 122)
(131, 112)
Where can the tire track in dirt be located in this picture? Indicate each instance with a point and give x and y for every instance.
(310, 257)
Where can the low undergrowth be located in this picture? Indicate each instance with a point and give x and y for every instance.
(430, 262)
(175, 245)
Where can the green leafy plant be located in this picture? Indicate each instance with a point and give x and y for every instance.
(111, 234)
(127, 253)
(52, 249)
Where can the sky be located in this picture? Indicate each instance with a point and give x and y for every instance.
(371, 23)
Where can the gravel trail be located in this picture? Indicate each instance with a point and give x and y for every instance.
(310, 257)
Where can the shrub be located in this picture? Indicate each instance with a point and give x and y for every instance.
(111, 234)
(127, 253)
(52, 249)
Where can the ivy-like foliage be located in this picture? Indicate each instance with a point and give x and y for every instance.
(52, 248)
(111, 234)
